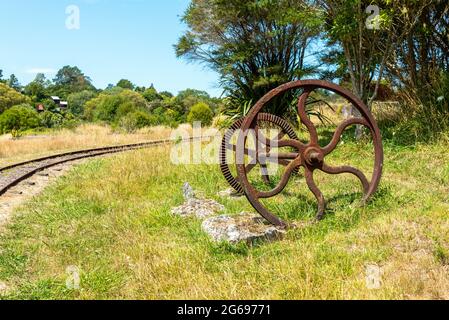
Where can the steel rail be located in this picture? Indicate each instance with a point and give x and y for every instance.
(77, 155)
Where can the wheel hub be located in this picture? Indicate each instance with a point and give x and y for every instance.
(313, 156)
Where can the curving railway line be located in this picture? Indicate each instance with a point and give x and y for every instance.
(13, 174)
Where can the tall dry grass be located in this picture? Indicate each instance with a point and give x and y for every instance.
(85, 136)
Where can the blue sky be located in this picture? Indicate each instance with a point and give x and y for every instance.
(117, 39)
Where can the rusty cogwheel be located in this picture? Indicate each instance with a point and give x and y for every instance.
(263, 119)
(311, 156)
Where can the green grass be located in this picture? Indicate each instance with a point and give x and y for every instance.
(111, 219)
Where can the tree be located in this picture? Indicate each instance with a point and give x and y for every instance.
(69, 80)
(37, 89)
(186, 99)
(137, 120)
(110, 107)
(166, 94)
(367, 51)
(50, 119)
(126, 84)
(10, 97)
(254, 45)
(13, 82)
(21, 117)
(140, 89)
(201, 112)
(151, 94)
(77, 101)
(421, 59)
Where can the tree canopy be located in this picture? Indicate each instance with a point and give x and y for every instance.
(126, 84)
(254, 45)
(70, 80)
(10, 97)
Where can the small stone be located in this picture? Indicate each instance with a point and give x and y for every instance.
(245, 227)
(200, 208)
(187, 191)
(31, 183)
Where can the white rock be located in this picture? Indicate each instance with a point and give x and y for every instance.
(200, 208)
(245, 227)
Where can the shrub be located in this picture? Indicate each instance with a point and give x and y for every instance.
(201, 112)
(110, 107)
(124, 109)
(21, 117)
(151, 95)
(137, 120)
(10, 97)
(78, 100)
(50, 120)
(222, 122)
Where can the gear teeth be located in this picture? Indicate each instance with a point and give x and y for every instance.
(223, 155)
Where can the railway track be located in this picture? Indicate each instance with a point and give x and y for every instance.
(11, 175)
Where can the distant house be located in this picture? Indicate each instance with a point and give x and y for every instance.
(61, 104)
(56, 100)
(40, 108)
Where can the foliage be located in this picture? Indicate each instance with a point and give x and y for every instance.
(151, 94)
(13, 82)
(110, 107)
(37, 89)
(201, 112)
(254, 45)
(50, 120)
(137, 120)
(124, 105)
(10, 97)
(70, 80)
(420, 62)
(417, 120)
(166, 94)
(126, 84)
(77, 101)
(21, 117)
(363, 55)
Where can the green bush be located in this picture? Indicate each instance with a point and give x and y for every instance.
(10, 97)
(151, 95)
(50, 120)
(137, 120)
(201, 112)
(124, 109)
(78, 100)
(17, 118)
(112, 106)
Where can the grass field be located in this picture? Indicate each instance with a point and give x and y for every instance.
(83, 137)
(110, 218)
